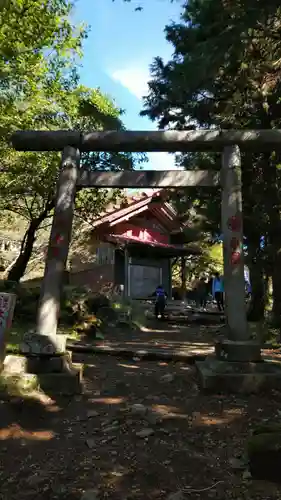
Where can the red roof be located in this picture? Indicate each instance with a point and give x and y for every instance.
(154, 203)
(175, 249)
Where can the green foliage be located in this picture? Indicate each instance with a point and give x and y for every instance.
(77, 305)
(26, 303)
(79, 310)
(205, 264)
(211, 260)
(38, 48)
(28, 183)
(39, 89)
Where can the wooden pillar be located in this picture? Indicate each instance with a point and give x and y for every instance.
(183, 276)
(232, 229)
(170, 291)
(126, 273)
(49, 303)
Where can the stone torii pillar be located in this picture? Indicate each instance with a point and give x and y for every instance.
(236, 366)
(46, 340)
(237, 346)
(233, 257)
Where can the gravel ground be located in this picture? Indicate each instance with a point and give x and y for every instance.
(141, 431)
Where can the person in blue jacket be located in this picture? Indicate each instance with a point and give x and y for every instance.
(217, 291)
(160, 302)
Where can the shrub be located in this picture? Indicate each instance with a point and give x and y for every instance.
(97, 302)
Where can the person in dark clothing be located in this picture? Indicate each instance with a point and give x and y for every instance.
(202, 293)
(209, 286)
(160, 302)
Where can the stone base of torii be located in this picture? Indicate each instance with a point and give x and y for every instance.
(237, 365)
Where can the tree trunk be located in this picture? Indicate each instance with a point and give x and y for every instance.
(273, 201)
(18, 270)
(255, 263)
(276, 289)
(258, 297)
(183, 277)
(19, 267)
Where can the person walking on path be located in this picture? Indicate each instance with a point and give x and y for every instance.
(160, 302)
(217, 291)
(202, 293)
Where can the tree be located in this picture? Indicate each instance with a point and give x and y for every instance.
(38, 48)
(39, 90)
(28, 186)
(236, 50)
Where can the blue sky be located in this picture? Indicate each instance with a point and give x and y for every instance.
(121, 45)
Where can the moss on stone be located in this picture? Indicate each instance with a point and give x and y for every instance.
(260, 443)
(17, 385)
(268, 428)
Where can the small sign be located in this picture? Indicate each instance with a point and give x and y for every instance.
(7, 307)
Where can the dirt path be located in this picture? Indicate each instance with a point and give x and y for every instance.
(171, 336)
(140, 431)
(186, 341)
(166, 333)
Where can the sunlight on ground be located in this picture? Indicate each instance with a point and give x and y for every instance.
(113, 478)
(198, 418)
(149, 330)
(40, 397)
(108, 401)
(14, 431)
(227, 417)
(162, 343)
(45, 400)
(133, 367)
(117, 473)
(169, 411)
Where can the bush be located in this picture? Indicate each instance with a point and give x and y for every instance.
(26, 302)
(80, 309)
(89, 325)
(77, 304)
(97, 302)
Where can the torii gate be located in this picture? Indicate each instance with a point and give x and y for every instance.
(72, 174)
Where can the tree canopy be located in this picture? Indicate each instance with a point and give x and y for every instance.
(40, 89)
(225, 73)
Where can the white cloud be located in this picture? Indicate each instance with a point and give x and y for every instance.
(160, 161)
(134, 79)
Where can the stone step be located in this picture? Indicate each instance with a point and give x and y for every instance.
(17, 363)
(40, 345)
(64, 383)
(53, 375)
(234, 377)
